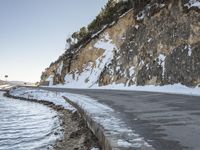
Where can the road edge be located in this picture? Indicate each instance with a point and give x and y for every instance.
(104, 140)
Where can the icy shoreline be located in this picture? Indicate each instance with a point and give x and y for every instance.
(75, 131)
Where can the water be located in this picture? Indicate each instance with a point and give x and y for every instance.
(26, 125)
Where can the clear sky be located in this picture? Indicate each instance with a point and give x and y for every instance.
(33, 33)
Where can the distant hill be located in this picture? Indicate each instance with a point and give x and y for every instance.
(15, 83)
(2, 82)
(20, 83)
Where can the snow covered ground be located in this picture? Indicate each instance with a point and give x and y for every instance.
(120, 134)
(5, 87)
(193, 3)
(172, 89)
(30, 93)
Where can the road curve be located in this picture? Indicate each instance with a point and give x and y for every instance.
(166, 121)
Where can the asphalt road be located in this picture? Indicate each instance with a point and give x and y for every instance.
(166, 121)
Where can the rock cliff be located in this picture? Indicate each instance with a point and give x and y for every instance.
(158, 45)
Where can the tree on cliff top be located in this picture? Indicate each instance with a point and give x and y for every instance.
(108, 14)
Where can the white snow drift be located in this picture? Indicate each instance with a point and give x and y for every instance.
(192, 4)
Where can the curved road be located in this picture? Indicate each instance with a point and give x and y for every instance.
(166, 121)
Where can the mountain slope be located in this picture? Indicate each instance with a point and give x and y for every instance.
(157, 45)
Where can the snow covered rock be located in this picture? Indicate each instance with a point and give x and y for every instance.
(159, 47)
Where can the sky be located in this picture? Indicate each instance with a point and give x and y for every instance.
(33, 33)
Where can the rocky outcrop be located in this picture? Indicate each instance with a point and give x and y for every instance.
(159, 45)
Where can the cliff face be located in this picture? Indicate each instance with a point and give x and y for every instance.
(159, 45)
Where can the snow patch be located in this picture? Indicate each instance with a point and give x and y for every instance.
(147, 9)
(92, 70)
(189, 51)
(38, 94)
(59, 70)
(50, 80)
(141, 15)
(137, 27)
(141, 63)
(95, 149)
(5, 86)
(131, 71)
(173, 89)
(161, 61)
(118, 68)
(149, 40)
(123, 143)
(193, 3)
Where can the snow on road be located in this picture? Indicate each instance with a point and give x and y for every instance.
(105, 116)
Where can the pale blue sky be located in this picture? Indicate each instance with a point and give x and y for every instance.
(33, 33)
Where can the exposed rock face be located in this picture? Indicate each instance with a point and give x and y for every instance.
(161, 46)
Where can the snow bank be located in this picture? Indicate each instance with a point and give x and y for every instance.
(193, 4)
(122, 135)
(5, 87)
(30, 93)
(172, 89)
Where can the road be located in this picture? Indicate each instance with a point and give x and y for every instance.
(166, 121)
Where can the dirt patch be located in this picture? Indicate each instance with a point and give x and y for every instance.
(77, 135)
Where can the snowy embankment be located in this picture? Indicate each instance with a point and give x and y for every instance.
(5, 87)
(193, 4)
(117, 131)
(171, 89)
(38, 94)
